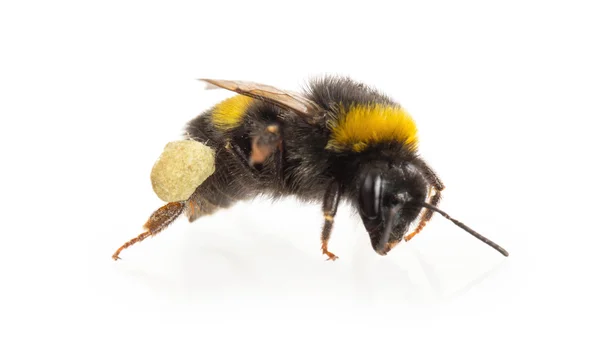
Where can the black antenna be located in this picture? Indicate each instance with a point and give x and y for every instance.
(467, 229)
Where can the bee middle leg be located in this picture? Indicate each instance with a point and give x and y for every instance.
(330, 204)
(264, 143)
(254, 147)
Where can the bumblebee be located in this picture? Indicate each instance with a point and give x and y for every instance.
(338, 139)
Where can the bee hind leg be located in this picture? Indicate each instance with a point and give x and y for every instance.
(158, 221)
(330, 204)
(198, 206)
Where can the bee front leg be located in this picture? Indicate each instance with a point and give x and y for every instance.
(330, 204)
(437, 187)
(264, 144)
(434, 200)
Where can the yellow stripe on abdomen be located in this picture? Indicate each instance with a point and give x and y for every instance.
(229, 113)
(360, 125)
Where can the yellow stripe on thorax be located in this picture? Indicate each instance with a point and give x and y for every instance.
(360, 125)
(229, 113)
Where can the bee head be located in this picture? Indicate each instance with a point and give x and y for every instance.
(390, 197)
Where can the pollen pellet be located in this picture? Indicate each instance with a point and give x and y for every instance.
(181, 168)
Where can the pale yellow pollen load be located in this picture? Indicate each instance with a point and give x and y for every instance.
(181, 168)
(229, 113)
(360, 125)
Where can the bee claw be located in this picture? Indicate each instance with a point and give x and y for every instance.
(330, 256)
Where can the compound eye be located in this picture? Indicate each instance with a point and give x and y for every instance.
(369, 196)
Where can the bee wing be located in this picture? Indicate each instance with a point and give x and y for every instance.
(299, 104)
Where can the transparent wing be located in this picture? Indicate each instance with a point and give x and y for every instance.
(299, 104)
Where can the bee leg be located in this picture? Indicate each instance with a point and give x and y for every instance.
(279, 163)
(434, 200)
(431, 177)
(198, 206)
(235, 148)
(390, 245)
(254, 149)
(330, 204)
(438, 186)
(158, 221)
(264, 144)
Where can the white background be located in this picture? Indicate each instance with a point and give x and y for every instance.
(505, 95)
